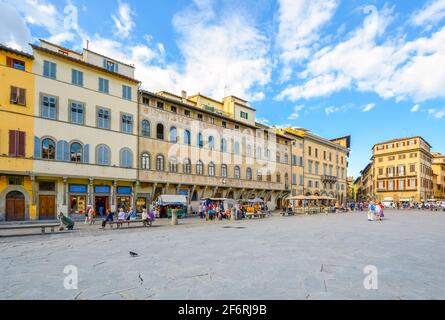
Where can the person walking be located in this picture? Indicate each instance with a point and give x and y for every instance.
(371, 212)
(378, 211)
(91, 215)
(86, 214)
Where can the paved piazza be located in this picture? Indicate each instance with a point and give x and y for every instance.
(304, 257)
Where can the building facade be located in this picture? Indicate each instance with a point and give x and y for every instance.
(321, 165)
(402, 170)
(16, 135)
(438, 167)
(85, 131)
(201, 147)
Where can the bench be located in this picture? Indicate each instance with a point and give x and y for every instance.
(43, 227)
(259, 215)
(120, 224)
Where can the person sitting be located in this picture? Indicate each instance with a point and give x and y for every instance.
(146, 218)
(121, 215)
(132, 215)
(108, 218)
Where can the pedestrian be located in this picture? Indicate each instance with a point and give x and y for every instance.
(371, 212)
(121, 215)
(145, 217)
(86, 214)
(108, 218)
(132, 215)
(91, 215)
(378, 211)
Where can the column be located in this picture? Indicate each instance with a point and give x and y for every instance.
(65, 191)
(33, 189)
(113, 193)
(90, 191)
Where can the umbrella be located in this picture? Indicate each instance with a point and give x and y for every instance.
(256, 200)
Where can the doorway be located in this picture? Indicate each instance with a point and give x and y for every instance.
(101, 205)
(47, 207)
(15, 206)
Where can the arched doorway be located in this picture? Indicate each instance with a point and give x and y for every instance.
(279, 203)
(15, 206)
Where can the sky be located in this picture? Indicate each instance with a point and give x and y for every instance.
(371, 69)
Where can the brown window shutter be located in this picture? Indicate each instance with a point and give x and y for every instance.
(14, 93)
(21, 144)
(12, 143)
(22, 97)
(9, 61)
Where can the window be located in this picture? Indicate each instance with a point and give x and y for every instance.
(18, 96)
(259, 175)
(103, 118)
(48, 149)
(187, 113)
(259, 153)
(401, 185)
(223, 145)
(200, 140)
(173, 165)
(104, 85)
(187, 137)
(211, 169)
(145, 128)
(126, 92)
(310, 151)
(390, 185)
(224, 124)
(103, 155)
(244, 115)
(249, 174)
(145, 161)
(17, 140)
(126, 159)
(200, 168)
(49, 69)
(224, 171)
(77, 112)
(286, 159)
(160, 105)
(310, 163)
(200, 117)
(173, 135)
(49, 107)
(173, 109)
(237, 173)
(236, 148)
(278, 157)
(187, 166)
(160, 163)
(127, 123)
(15, 63)
(145, 101)
(110, 65)
(160, 131)
(249, 150)
(211, 143)
(76, 152)
(77, 77)
(412, 168)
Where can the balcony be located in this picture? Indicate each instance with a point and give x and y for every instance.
(328, 179)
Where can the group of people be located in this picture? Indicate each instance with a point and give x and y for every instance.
(212, 210)
(375, 212)
(122, 215)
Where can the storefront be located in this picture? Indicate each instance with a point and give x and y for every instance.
(123, 198)
(101, 199)
(78, 195)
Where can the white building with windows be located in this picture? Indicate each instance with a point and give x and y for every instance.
(85, 134)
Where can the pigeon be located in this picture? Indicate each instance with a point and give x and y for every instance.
(133, 254)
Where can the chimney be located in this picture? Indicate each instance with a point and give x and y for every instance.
(184, 96)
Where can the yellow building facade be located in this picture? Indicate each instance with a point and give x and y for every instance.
(17, 201)
(438, 176)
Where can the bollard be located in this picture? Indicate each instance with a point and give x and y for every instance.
(174, 217)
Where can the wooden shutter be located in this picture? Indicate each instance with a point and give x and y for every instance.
(22, 97)
(9, 62)
(21, 144)
(12, 143)
(14, 95)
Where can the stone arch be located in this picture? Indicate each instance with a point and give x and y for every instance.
(3, 195)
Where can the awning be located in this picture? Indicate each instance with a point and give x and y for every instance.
(171, 199)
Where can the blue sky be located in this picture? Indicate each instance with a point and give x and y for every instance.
(370, 69)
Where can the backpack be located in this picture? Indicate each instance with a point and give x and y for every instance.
(372, 207)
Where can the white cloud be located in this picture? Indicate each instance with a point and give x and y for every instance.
(431, 13)
(296, 114)
(331, 109)
(123, 20)
(299, 24)
(415, 108)
(438, 114)
(368, 107)
(15, 33)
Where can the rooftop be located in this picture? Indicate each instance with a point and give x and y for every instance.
(17, 52)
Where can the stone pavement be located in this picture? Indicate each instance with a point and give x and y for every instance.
(303, 257)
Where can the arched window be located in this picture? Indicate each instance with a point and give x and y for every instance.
(259, 175)
(224, 170)
(278, 177)
(236, 148)
(237, 173)
(200, 168)
(103, 155)
(286, 159)
(259, 153)
(145, 161)
(249, 150)
(145, 128)
(160, 131)
(173, 134)
(268, 154)
(200, 140)
(269, 176)
(48, 149)
(173, 164)
(187, 137)
(126, 158)
(160, 163)
(187, 166)
(286, 179)
(249, 174)
(278, 157)
(211, 143)
(211, 169)
(76, 152)
(223, 145)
